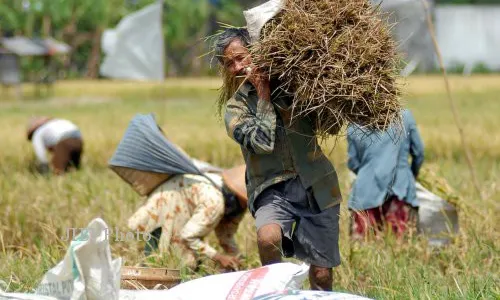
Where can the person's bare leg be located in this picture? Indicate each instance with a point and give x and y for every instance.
(321, 278)
(269, 242)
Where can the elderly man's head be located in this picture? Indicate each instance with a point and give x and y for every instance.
(231, 50)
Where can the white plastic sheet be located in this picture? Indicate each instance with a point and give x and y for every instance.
(242, 285)
(410, 32)
(23, 296)
(277, 281)
(469, 34)
(257, 17)
(436, 218)
(309, 295)
(10, 72)
(108, 41)
(87, 271)
(134, 50)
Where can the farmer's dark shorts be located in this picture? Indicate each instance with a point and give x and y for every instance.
(315, 238)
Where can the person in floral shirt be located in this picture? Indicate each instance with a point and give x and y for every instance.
(186, 208)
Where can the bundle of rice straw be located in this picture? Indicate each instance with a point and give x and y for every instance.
(438, 185)
(337, 58)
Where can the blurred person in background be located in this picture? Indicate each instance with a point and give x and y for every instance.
(60, 137)
(384, 190)
(184, 210)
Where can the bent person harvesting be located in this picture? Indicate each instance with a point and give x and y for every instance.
(186, 209)
(60, 137)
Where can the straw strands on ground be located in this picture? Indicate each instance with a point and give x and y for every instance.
(337, 58)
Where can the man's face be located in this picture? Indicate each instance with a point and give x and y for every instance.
(236, 58)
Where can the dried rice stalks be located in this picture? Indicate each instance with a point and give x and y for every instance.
(428, 177)
(337, 58)
(230, 84)
(438, 185)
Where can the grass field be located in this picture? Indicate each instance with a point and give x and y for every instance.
(35, 211)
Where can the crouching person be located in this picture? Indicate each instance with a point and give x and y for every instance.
(384, 191)
(186, 209)
(59, 136)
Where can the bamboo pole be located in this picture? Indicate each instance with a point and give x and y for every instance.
(454, 110)
(164, 51)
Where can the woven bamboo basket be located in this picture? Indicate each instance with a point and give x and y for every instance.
(140, 278)
(141, 181)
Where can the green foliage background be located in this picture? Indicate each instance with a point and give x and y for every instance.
(185, 23)
(80, 23)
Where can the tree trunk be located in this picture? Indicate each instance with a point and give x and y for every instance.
(46, 26)
(95, 55)
(68, 36)
(28, 26)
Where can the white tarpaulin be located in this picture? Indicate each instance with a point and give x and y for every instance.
(87, 271)
(410, 32)
(9, 69)
(258, 16)
(134, 49)
(469, 34)
(436, 218)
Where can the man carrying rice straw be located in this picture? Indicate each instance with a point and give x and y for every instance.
(293, 189)
(303, 69)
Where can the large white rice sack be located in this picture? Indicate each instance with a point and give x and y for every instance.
(241, 285)
(309, 295)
